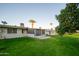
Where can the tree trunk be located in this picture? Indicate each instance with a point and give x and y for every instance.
(32, 25)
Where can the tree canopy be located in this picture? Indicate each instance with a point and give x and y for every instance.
(32, 21)
(68, 19)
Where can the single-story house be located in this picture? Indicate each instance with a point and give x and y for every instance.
(9, 31)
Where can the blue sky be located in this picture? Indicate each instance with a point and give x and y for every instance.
(42, 13)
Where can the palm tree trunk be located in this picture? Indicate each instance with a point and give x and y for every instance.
(32, 25)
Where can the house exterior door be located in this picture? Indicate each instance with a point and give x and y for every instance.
(38, 32)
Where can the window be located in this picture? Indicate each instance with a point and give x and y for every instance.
(1, 30)
(11, 30)
(43, 31)
(30, 31)
(14, 30)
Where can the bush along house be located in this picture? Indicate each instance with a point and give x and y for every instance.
(9, 31)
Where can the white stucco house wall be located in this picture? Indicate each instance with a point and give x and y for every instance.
(9, 31)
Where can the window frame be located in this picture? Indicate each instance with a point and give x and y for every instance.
(11, 30)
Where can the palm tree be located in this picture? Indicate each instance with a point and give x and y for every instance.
(4, 22)
(32, 22)
(51, 24)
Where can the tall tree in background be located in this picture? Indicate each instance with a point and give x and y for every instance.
(68, 19)
(4, 22)
(51, 25)
(32, 22)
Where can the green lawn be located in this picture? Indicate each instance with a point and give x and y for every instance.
(54, 46)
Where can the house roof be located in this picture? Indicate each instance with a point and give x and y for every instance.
(11, 26)
(18, 27)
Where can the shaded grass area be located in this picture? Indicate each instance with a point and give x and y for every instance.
(54, 46)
